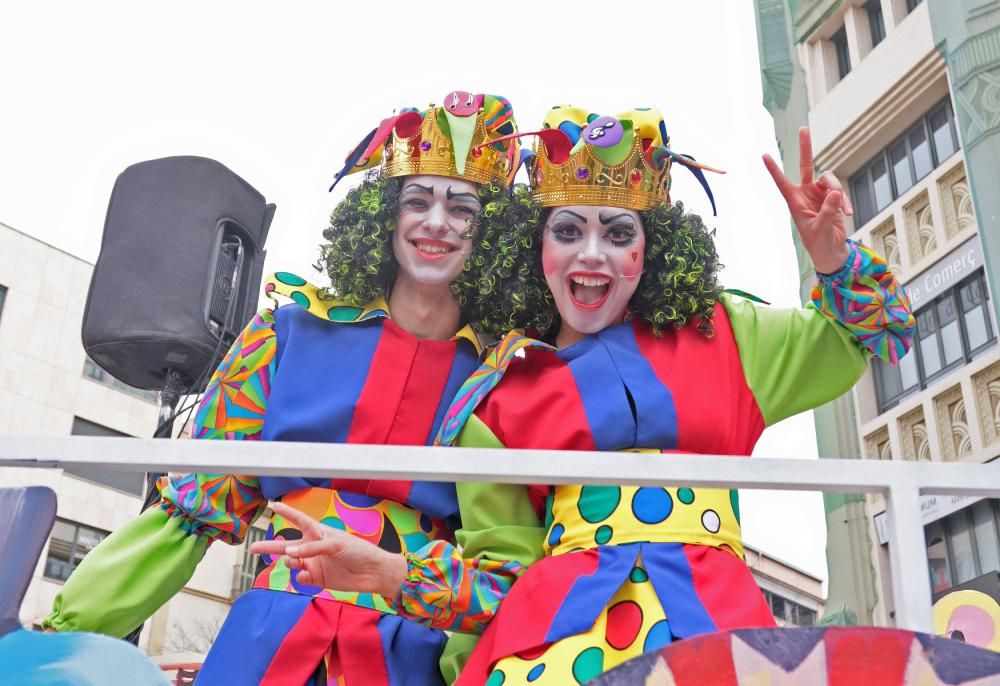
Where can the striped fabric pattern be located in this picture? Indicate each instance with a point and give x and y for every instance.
(481, 382)
(866, 298)
(445, 591)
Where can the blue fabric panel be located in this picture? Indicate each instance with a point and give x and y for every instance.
(411, 652)
(654, 403)
(251, 635)
(321, 370)
(590, 594)
(602, 393)
(670, 573)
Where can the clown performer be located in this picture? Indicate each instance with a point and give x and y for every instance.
(640, 350)
(374, 358)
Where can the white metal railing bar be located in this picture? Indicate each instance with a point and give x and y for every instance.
(902, 482)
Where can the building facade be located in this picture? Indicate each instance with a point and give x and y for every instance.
(794, 596)
(48, 386)
(900, 97)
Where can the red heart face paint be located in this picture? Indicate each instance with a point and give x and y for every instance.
(592, 258)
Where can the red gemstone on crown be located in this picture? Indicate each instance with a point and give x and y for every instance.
(635, 177)
(477, 153)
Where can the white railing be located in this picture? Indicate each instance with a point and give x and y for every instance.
(902, 482)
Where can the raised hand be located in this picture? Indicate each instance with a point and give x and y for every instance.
(819, 208)
(335, 559)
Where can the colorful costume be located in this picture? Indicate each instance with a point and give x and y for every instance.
(320, 370)
(624, 569)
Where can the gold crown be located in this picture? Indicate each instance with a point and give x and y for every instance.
(623, 161)
(584, 179)
(470, 137)
(431, 151)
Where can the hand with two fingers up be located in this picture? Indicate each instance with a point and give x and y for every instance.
(330, 558)
(819, 208)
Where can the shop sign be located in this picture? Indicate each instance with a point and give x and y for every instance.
(946, 272)
(932, 508)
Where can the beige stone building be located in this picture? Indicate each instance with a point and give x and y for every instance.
(49, 387)
(899, 106)
(795, 596)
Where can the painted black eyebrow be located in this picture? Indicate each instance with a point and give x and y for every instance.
(420, 189)
(607, 220)
(571, 213)
(461, 196)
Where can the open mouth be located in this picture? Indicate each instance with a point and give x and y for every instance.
(431, 249)
(589, 291)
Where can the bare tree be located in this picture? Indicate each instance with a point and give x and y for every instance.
(195, 636)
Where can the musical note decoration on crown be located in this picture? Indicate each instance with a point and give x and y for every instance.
(583, 158)
(471, 136)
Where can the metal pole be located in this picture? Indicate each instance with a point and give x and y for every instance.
(911, 582)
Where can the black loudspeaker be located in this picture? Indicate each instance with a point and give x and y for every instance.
(179, 271)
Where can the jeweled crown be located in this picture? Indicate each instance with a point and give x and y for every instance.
(457, 139)
(587, 159)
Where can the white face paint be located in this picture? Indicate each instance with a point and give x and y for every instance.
(592, 258)
(430, 242)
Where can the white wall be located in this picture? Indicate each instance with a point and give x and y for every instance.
(42, 388)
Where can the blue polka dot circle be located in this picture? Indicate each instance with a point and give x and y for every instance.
(652, 505)
(556, 534)
(535, 672)
(658, 636)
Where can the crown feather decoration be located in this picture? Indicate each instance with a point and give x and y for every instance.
(469, 137)
(586, 159)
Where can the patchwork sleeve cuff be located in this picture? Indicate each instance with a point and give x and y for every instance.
(215, 506)
(444, 591)
(864, 297)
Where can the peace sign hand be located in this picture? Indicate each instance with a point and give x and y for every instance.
(818, 207)
(330, 558)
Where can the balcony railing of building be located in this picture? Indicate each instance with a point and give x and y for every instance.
(902, 483)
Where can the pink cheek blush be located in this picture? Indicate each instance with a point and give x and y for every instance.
(549, 262)
(632, 267)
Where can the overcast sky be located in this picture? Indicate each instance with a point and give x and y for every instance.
(280, 92)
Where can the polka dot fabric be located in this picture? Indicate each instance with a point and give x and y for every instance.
(633, 623)
(584, 516)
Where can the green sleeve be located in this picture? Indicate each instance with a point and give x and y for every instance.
(498, 523)
(123, 581)
(498, 520)
(793, 359)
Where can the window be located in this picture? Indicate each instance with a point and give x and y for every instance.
(911, 157)
(876, 23)
(68, 545)
(951, 331)
(788, 612)
(122, 480)
(93, 371)
(839, 41)
(248, 566)
(963, 545)
(942, 125)
(912, 5)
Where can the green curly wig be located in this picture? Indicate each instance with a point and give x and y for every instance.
(503, 286)
(358, 256)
